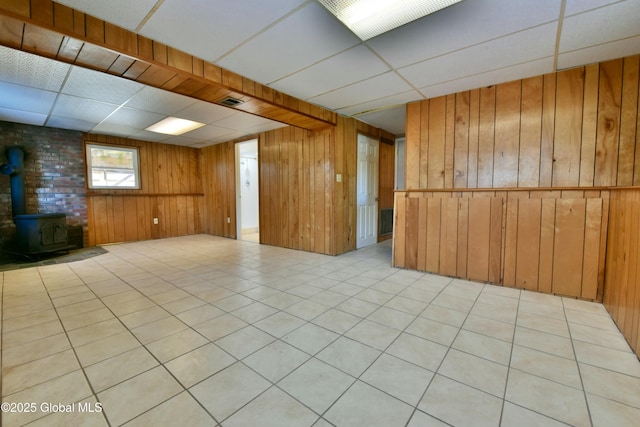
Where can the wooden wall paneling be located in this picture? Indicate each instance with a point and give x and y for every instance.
(589, 125)
(423, 152)
(413, 146)
(312, 196)
(434, 216)
(495, 239)
(568, 247)
(449, 236)
(399, 230)
(547, 234)
(568, 132)
(339, 196)
(421, 234)
(412, 224)
(607, 145)
(479, 238)
(461, 140)
(548, 130)
(283, 181)
(474, 131)
(130, 219)
(510, 240)
(437, 142)
(143, 218)
(530, 132)
(319, 193)
(591, 262)
(631, 311)
(628, 120)
(463, 236)
(449, 141)
(486, 136)
(528, 243)
(604, 233)
(329, 209)
(305, 224)
(507, 136)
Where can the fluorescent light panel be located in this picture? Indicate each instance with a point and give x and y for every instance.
(369, 18)
(174, 126)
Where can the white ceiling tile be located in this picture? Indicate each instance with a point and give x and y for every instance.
(576, 6)
(26, 98)
(506, 51)
(529, 69)
(146, 135)
(391, 119)
(602, 52)
(70, 123)
(303, 38)
(182, 140)
(207, 132)
(113, 129)
(26, 117)
(382, 103)
(96, 85)
(82, 108)
(374, 88)
(210, 28)
(607, 24)
(205, 112)
(31, 70)
(159, 101)
(265, 127)
(461, 25)
(348, 67)
(125, 13)
(136, 119)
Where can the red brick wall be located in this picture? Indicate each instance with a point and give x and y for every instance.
(54, 174)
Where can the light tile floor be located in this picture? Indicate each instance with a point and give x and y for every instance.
(201, 331)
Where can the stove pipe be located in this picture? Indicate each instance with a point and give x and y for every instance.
(15, 169)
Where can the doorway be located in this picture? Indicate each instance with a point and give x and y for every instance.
(367, 183)
(247, 196)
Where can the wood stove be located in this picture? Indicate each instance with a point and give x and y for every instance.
(40, 233)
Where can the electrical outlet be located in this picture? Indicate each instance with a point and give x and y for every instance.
(228, 220)
(155, 221)
(338, 177)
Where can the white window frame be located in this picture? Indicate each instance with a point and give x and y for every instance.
(135, 170)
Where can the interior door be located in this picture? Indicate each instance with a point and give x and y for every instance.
(367, 182)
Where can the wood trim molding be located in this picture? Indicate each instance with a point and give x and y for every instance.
(52, 30)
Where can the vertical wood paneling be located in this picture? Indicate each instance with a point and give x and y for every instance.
(589, 126)
(607, 143)
(486, 136)
(423, 153)
(437, 142)
(461, 153)
(628, 120)
(568, 247)
(474, 112)
(530, 132)
(569, 105)
(413, 146)
(528, 243)
(507, 137)
(479, 238)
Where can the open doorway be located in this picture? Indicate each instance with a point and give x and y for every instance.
(247, 212)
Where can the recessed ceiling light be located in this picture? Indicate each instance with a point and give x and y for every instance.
(174, 126)
(369, 18)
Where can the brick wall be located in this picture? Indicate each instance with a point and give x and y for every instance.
(54, 175)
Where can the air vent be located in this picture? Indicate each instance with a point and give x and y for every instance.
(230, 101)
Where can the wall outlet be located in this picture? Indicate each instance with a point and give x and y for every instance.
(228, 220)
(155, 221)
(338, 177)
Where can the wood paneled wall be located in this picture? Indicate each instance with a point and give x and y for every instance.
(547, 241)
(219, 186)
(575, 128)
(171, 191)
(386, 175)
(622, 284)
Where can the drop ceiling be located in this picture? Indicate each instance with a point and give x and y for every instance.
(299, 48)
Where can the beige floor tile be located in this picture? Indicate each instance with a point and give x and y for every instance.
(421, 352)
(138, 394)
(391, 318)
(276, 360)
(159, 329)
(458, 404)
(489, 327)
(20, 377)
(144, 316)
(483, 346)
(349, 356)
(494, 311)
(514, 415)
(279, 324)
(273, 408)
(329, 298)
(18, 355)
(453, 302)
(179, 306)
(337, 321)
(316, 384)
(306, 310)
(474, 371)
(182, 409)
(95, 331)
(444, 315)
(418, 294)
(200, 314)
(245, 341)
(601, 337)
(87, 412)
(199, 364)
(229, 390)
(542, 341)
(357, 307)
(402, 380)
(220, 326)
(169, 296)
(420, 419)
(549, 398)
(310, 338)
(83, 319)
(599, 321)
(543, 324)
(105, 348)
(120, 309)
(15, 323)
(434, 331)
(177, 344)
(406, 305)
(117, 369)
(611, 385)
(365, 405)
(373, 334)
(232, 302)
(605, 413)
(546, 310)
(614, 360)
(546, 365)
(31, 333)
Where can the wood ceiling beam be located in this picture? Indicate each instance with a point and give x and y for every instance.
(49, 29)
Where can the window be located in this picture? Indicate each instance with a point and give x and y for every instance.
(112, 167)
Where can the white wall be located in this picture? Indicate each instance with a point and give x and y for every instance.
(249, 192)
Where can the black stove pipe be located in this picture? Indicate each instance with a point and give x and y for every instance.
(15, 169)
